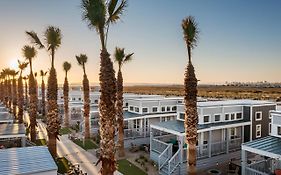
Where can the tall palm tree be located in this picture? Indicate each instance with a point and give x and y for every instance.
(52, 37)
(5, 73)
(82, 60)
(14, 92)
(190, 32)
(66, 68)
(29, 53)
(9, 89)
(99, 16)
(121, 59)
(25, 78)
(22, 66)
(43, 74)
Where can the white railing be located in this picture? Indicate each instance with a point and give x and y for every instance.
(133, 133)
(218, 148)
(174, 162)
(262, 166)
(251, 171)
(234, 144)
(158, 146)
(165, 156)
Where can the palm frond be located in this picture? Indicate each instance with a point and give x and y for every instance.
(119, 55)
(35, 39)
(128, 58)
(29, 52)
(94, 13)
(66, 66)
(190, 31)
(22, 65)
(53, 37)
(114, 15)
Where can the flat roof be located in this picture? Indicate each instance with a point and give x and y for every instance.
(269, 146)
(26, 160)
(178, 126)
(243, 102)
(11, 129)
(130, 115)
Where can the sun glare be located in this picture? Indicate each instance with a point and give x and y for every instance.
(14, 64)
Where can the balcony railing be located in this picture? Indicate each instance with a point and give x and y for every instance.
(158, 146)
(174, 162)
(261, 167)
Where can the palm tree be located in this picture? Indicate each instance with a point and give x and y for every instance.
(121, 59)
(43, 74)
(14, 92)
(82, 60)
(5, 73)
(190, 32)
(53, 37)
(25, 92)
(66, 68)
(29, 53)
(22, 66)
(99, 16)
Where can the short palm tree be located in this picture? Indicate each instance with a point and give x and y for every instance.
(22, 66)
(43, 74)
(52, 37)
(14, 92)
(190, 32)
(82, 60)
(66, 68)
(121, 59)
(99, 16)
(29, 53)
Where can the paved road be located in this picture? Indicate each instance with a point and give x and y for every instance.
(74, 153)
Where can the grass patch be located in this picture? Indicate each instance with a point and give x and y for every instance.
(64, 131)
(40, 142)
(89, 144)
(62, 164)
(127, 168)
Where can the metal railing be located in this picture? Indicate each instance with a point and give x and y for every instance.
(218, 148)
(165, 156)
(133, 133)
(158, 146)
(262, 166)
(234, 144)
(251, 171)
(174, 162)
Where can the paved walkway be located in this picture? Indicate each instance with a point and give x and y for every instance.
(74, 153)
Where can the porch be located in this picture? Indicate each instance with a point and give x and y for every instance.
(267, 159)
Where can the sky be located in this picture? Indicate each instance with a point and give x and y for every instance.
(239, 40)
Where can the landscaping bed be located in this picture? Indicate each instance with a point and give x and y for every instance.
(89, 144)
(127, 168)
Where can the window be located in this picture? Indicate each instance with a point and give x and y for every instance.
(168, 108)
(145, 110)
(182, 116)
(131, 108)
(278, 130)
(258, 116)
(154, 109)
(96, 101)
(73, 99)
(79, 99)
(233, 133)
(127, 104)
(258, 131)
(168, 118)
(162, 119)
(239, 116)
(269, 128)
(217, 117)
(206, 119)
(174, 108)
(232, 116)
(137, 109)
(226, 116)
(163, 109)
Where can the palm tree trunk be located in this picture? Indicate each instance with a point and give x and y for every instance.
(107, 114)
(119, 114)
(26, 95)
(65, 96)
(191, 117)
(32, 107)
(43, 98)
(10, 94)
(20, 99)
(53, 123)
(86, 106)
(6, 93)
(15, 97)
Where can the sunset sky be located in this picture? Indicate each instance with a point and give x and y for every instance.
(239, 40)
